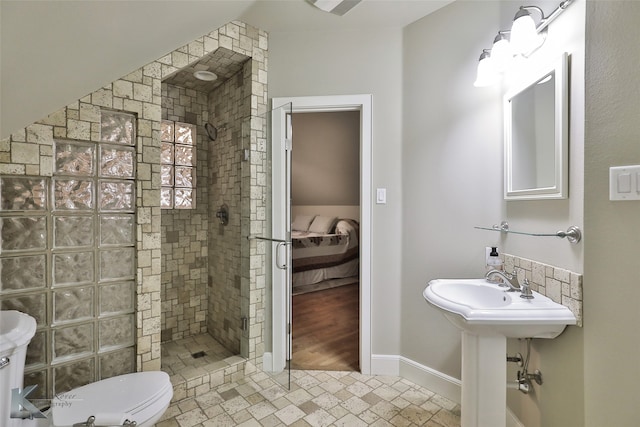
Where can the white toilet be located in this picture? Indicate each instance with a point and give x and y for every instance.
(16, 331)
(141, 396)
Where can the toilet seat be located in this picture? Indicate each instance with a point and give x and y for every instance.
(140, 395)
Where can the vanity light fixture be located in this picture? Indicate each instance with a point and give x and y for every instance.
(525, 37)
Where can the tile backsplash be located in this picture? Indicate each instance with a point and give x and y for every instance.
(561, 285)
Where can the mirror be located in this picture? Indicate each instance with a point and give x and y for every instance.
(536, 135)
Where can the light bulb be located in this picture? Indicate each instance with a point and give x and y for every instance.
(524, 36)
(501, 54)
(486, 75)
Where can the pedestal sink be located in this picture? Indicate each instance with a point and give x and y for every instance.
(487, 315)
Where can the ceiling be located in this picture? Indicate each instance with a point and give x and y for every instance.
(299, 15)
(53, 52)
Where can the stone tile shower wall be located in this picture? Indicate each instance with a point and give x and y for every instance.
(29, 152)
(185, 243)
(229, 107)
(81, 222)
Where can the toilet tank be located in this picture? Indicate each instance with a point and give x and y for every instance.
(16, 331)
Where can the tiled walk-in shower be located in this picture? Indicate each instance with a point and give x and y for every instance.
(104, 307)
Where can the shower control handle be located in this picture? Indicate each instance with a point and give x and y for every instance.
(223, 214)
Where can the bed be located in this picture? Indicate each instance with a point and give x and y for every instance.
(324, 248)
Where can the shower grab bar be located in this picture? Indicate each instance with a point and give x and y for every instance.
(91, 419)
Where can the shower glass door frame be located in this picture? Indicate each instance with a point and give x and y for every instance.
(281, 137)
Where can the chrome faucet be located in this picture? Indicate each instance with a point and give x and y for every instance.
(511, 281)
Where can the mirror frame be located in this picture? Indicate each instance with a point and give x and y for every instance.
(561, 134)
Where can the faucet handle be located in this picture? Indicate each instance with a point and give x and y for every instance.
(526, 290)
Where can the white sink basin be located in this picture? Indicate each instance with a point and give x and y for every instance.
(480, 307)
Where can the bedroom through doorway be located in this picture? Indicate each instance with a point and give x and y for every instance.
(325, 212)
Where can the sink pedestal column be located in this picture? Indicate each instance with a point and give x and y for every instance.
(484, 380)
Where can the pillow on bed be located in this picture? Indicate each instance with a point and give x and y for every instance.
(302, 222)
(344, 227)
(323, 224)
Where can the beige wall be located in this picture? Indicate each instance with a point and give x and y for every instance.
(451, 171)
(326, 158)
(358, 62)
(612, 138)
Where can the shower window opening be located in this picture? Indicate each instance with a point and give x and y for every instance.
(178, 159)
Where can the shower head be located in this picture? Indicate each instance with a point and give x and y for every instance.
(212, 131)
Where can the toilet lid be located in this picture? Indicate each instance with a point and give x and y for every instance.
(127, 393)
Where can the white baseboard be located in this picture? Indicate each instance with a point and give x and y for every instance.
(442, 384)
(382, 364)
(267, 361)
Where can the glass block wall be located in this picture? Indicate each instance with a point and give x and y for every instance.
(67, 257)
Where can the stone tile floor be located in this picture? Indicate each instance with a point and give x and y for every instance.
(316, 398)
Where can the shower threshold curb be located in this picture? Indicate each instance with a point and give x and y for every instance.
(199, 381)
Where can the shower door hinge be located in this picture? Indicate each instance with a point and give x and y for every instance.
(245, 323)
(288, 144)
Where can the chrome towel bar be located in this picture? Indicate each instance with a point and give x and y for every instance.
(573, 233)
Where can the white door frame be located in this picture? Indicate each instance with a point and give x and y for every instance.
(360, 103)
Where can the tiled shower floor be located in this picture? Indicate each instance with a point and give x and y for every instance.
(178, 362)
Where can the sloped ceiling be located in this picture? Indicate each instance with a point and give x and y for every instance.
(53, 52)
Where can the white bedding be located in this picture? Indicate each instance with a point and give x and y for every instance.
(318, 257)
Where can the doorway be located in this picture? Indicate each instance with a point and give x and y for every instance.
(325, 186)
(281, 318)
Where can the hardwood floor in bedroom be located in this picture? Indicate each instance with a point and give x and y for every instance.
(326, 329)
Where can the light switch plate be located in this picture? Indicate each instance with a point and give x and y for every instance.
(624, 183)
(381, 196)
